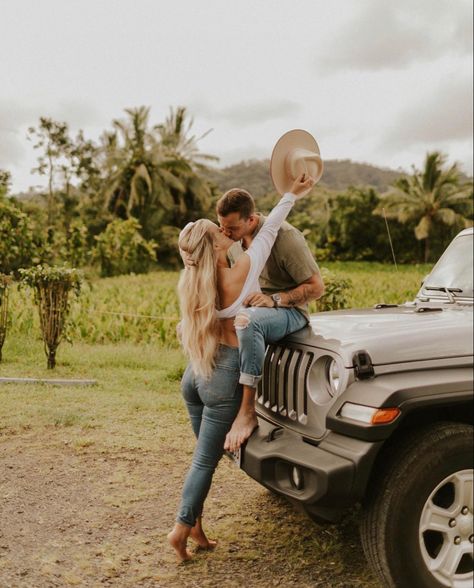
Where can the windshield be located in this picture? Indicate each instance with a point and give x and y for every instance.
(453, 270)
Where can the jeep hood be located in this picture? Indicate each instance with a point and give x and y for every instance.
(392, 335)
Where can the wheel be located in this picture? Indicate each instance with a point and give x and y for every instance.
(417, 518)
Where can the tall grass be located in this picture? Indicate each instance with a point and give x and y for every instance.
(144, 308)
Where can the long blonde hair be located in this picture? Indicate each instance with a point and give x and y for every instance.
(197, 291)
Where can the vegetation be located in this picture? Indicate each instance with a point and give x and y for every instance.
(105, 467)
(338, 176)
(143, 309)
(429, 197)
(51, 286)
(115, 207)
(5, 282)
(154, 178)
(17, 243)
(122, 250)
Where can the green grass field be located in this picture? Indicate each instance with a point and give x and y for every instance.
(91, 476)
(144, 308)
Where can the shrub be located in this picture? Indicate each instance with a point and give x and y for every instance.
(121, 249)
(337, 291)
(17, 246)
(51, 286)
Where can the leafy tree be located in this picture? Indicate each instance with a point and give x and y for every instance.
(122, 250)
(136, 179)
(155, 175)
(65, 162)
(311, 216)
(17, 244)
(434, 196)
(355, 233)
(52, 138)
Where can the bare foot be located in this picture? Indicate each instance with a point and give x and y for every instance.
(243, 426)
(178, 542)
(198, 535)
(202, 541)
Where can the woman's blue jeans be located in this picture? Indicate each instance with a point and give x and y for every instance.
(212, 405)
(263, 326)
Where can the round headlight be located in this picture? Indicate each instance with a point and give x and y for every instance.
(334, 376)
(326, 380)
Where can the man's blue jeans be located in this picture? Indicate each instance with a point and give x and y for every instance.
(212, 405)
(263, 326)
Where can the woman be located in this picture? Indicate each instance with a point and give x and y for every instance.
(210, 295)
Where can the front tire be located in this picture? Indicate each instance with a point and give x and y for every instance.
(416, 526)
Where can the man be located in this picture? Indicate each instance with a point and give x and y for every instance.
(290, 279)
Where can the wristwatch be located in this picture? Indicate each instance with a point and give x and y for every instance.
(276, 300)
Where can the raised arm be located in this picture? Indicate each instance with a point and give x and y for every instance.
(261, 246)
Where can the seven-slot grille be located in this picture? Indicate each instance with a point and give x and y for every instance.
(283, 387)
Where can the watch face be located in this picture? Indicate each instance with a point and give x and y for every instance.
(276, 298)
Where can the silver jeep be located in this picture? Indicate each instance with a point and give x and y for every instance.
(375, 406)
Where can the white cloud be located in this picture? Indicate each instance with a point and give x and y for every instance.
(387, 35)
(251, 78)
(444, 115)
(248, 113)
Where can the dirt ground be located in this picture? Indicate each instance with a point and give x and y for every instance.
(74, 515)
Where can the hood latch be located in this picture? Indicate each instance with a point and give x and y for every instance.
(363, 365)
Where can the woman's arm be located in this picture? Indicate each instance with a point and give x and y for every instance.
(262, 244)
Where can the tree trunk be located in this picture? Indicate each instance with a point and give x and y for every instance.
(427, 249)
(51, 360)
(50, 192)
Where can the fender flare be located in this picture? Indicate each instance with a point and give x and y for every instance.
(408, 391)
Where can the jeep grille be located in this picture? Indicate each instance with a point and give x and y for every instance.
(283, 387)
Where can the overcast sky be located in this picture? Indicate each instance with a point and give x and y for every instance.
(374, 80)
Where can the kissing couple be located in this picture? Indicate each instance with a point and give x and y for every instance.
(246, 283)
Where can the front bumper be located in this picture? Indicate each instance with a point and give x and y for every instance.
(327, 471)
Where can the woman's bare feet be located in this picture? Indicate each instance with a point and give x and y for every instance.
(245, 422)
(198, 535)
(178, 539)
(243, 426)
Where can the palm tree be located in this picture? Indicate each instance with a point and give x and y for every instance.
(155, 175)
(187, 163)
(433, 196)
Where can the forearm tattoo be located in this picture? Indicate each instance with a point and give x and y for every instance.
(300, 295)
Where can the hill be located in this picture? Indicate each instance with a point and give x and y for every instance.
(253, 175)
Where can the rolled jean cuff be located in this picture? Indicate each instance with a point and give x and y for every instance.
(249, 380)
(183, 522)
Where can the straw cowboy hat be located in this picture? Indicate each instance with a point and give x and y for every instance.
(294, 153)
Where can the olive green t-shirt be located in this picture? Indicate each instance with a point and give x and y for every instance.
(289, 265)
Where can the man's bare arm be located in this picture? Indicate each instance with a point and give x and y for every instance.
(310, 289)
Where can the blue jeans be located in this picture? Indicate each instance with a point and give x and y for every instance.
(212, 405)
(265, 325)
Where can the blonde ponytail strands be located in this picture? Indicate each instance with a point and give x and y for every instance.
(197, 291)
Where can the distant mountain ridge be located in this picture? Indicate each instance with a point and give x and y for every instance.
(339, 174)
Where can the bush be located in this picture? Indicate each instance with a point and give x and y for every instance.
(51, 286)
(17, 246)
(121, 249)
(337, 292)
